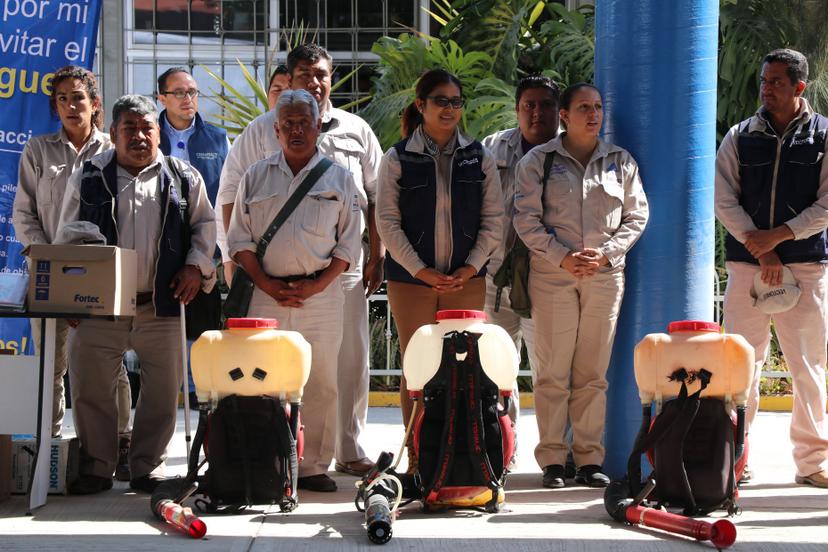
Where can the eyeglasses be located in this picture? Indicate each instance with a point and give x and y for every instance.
(442, 101)
(180, 94)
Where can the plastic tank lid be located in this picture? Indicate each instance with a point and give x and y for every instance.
(456, 314)
(251, 323)
(693, 326)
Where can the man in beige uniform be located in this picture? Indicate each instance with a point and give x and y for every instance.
(536, 106)
(772, 197)
(131, 194)
(297, 279)
(348, 140)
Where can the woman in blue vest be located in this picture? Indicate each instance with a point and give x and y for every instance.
(439, 209)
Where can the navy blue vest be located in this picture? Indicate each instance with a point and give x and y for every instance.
(207, 148)
(797, 182)
(418, 204)
(99, 205)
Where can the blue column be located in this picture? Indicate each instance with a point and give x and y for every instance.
(655, 64)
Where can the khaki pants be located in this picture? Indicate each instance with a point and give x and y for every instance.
(320, 322)
(521, 330)
(352, 371)
(61, 364)
(414, 305)
(96, 353)
(802, 337)
(575, 323)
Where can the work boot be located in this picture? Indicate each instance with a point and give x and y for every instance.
(321, 483)
(591, 476)
(90, 484)
(553, 476)
(122, 468)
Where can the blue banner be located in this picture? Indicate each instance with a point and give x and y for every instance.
(37, 37)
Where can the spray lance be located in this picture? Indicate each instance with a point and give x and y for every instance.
(721, 533)
(165, 505)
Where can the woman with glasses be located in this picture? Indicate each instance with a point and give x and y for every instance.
(439, 209)
(579, 208)
(45, 166)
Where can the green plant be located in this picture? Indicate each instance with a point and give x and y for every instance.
(402, 61)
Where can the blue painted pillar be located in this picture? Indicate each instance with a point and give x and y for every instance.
(655, 63)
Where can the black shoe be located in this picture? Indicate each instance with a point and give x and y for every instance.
(591, 476)
(569, 468)
(122, 467)
(553, 476)
(90, 484)
(320, 483)
(146, 483)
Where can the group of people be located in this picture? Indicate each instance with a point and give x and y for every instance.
(434, 216)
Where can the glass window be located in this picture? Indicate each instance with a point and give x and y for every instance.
(370, 13)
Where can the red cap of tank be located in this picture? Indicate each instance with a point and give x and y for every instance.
(251, 323)
(693, 326)
(453, 314)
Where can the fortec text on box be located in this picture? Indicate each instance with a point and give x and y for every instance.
(87, 298)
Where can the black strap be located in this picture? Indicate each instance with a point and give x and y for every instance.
(548, 160)
(291, 204)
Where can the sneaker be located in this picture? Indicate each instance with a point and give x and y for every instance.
(591, 476)
(553, 476)
(320, 483)
(818, 479)
(122, 467)
(146, 483)
(90, 484)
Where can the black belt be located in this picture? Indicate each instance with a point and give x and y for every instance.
(143, 297)
(289, 279)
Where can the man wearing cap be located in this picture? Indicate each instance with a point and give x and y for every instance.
(297, 279)
(772, 197)
(348, 140)
(132, 194)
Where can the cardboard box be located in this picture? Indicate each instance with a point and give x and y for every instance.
(63, 464)
(88, 279)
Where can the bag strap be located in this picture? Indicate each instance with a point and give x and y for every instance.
(503, 276)
(178, 179)
(291, 204)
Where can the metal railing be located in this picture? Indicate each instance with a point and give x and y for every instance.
(718, 310)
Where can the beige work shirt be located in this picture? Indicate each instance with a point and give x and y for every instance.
(139, 217)
(810, 221)
(507, 148)
(389, 219)
(599, 206)
(325, 224)
(45, 166)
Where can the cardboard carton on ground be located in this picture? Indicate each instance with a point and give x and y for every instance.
(63, 464)
(88, 279)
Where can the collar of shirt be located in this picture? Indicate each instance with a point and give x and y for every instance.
(420, 142)
(179, 138)
(279, 160)
(556, 144)
(61, 136)
(760, 122)
(155, 165)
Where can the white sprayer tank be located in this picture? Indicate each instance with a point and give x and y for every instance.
(694, 345)
(252, 357)
(498, 355)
